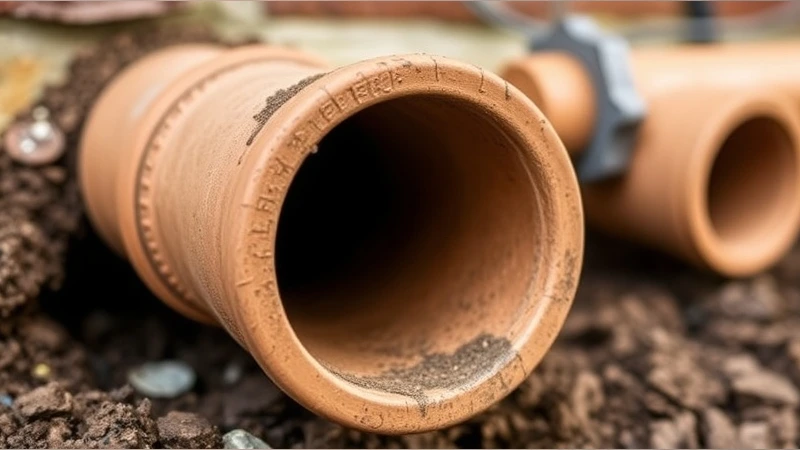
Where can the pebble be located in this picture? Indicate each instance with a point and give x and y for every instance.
(186, 430)
(766, 386)
(242, 439)
(164, 379)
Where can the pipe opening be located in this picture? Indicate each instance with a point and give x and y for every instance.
(752, 185)
(407, 246)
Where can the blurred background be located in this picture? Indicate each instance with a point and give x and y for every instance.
(35, 50)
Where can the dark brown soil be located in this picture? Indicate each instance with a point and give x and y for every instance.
(653, 354)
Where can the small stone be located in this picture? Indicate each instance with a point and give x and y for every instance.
(232, 374)
(165, 379)
(766, 386)
(45, 401)
(242, 439)
(718, 430)
(41, 371)
(187, 430)
(6, 400)
(754, 435)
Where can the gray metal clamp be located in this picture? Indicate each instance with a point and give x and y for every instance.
(620, 108)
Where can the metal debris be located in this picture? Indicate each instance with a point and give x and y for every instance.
(242, 439)
(164, 379)
(35, 142)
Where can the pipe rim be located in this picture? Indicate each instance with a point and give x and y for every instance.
(262, 312)
(728, 258)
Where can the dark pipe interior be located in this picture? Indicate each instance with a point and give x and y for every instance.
(410, 231)
(752, 183)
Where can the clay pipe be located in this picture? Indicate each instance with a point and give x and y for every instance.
(560, 87)
(716, 166)
(393, 241)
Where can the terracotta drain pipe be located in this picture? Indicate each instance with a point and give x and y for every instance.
(715, 173)
(392, 241)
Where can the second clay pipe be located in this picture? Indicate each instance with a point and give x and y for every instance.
(715, 174)
(391, 240)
